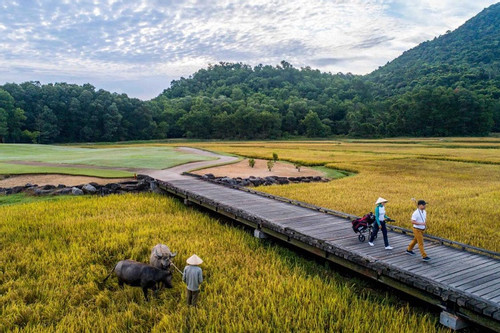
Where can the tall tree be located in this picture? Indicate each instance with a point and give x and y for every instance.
(47, 125)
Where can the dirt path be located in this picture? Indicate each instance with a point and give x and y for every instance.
(176, 172)
(243, 170)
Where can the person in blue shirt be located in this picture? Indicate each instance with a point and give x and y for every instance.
(380, 219)
(193, 277)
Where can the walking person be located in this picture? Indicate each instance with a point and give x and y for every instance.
(380, 220)
(193, 277)
(418, 219)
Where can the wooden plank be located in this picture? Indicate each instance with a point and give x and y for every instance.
(464, 264)
(478, 285)
(472, 276)
(197, 186)
(492, 271)
(304, 224)
(276, 212)
(277, 216)
(236, 196)
(408, 263)
(458, 260)
(459, 271)
(396, 252)
(488, 287)
(333, 222)
(343, 237)
(305, 213)
(339, 225)
(330, 232)
(291, 221)
(443, 262)
(440, 275)
(216, 193)
(318, 226)
(237, 204)
(395, 241)
(444, 254)
(405, 257)
(495, 299)
(378, 247)
(488, 290)
(255, 207)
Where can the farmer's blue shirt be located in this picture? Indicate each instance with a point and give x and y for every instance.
(193, 277)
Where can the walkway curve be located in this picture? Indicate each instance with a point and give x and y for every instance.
(176, 172)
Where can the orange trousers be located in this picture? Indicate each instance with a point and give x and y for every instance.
(418, 238)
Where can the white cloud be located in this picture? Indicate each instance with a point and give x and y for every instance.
(130, 41)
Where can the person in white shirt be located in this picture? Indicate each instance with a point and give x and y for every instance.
(418, 219)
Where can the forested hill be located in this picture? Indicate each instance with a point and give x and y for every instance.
(467, 57)
(446, 87)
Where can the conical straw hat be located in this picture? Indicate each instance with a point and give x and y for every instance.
(380, 200)
(194, 260)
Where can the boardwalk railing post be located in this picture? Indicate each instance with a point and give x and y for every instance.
(259, 234)
(452, 321)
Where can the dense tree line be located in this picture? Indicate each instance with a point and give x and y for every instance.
(31, 112)
(446, 87)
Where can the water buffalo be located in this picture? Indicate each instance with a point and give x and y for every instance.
(161, 257)
(138, 274)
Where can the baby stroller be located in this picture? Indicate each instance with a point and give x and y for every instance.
(363, 225)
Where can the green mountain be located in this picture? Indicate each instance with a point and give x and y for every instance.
(467, 57)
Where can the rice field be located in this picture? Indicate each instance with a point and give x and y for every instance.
(54, 255)
(460, 178)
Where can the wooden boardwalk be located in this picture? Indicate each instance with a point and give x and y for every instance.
(463, 281)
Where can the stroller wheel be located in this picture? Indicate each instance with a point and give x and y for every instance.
(361, 238)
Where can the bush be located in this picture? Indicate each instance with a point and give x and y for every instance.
(251, 162)
(270, 165)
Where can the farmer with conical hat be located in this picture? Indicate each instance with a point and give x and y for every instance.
(193, 277)
(380, 219)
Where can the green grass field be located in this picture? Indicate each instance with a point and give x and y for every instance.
(121, 157)
(20, 169)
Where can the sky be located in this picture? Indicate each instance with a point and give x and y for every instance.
(138, 47)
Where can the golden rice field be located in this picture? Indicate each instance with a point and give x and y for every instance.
(460, 178)
(54, 254)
